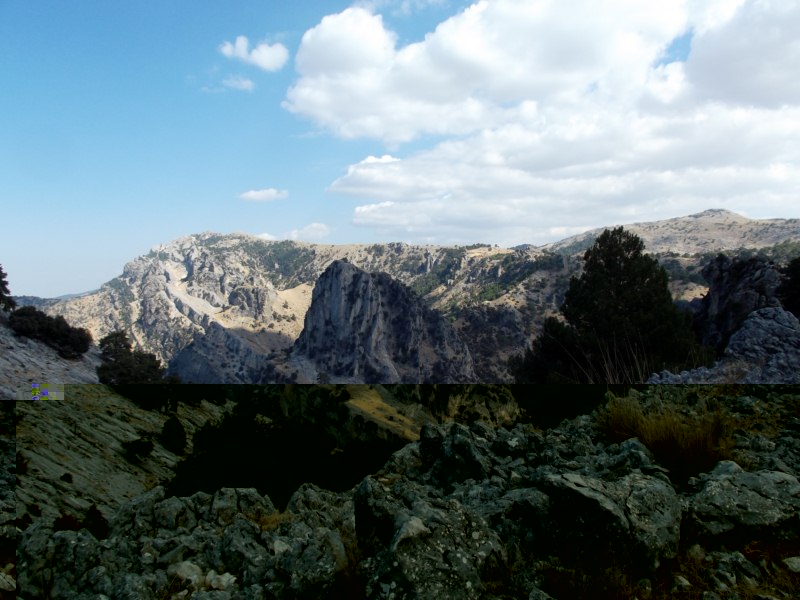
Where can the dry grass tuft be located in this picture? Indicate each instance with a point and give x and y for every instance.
(271, 521)
(685, 444)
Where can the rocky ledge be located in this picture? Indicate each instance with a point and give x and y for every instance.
(470, 512)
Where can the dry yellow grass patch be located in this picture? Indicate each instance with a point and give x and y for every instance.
(685, 444)
(271, 521)
(368, 403)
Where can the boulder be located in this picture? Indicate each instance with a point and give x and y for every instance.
(752, 504)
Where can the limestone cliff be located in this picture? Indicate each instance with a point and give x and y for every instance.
(368, 327)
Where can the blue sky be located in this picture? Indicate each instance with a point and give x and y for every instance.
(126, 125)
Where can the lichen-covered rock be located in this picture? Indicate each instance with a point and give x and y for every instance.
(731, 498)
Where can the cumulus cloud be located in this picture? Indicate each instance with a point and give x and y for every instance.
(313, 232)
(310, 233)
(486, 66)
(237, 82)
(553, 115)
(269, 57)
(265, 195)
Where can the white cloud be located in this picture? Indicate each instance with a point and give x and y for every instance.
(556, 115)
(269, 57)
(753, 57)
(265, 195)
(400, 7)
(238, 82)
(311, 232)
(484, 67)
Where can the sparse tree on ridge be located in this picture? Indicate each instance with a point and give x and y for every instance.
(6, 301)
(122, 365)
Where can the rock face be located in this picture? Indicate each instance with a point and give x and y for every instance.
(74, 456)
(225, 355)
(464, 512)
(742, 318)
(765, 349)
(368, 327)
(737, 287)
(492, 331)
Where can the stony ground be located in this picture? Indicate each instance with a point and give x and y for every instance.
(478, 512)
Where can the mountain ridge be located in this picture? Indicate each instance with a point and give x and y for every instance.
(252, 294)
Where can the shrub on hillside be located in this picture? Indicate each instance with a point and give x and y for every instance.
(124, 366)
(70, 342)
(137, 449)
(173, 435)
(685, 444)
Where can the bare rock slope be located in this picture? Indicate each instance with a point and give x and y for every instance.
(24, 361)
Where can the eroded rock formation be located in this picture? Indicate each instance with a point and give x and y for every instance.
(371, 328)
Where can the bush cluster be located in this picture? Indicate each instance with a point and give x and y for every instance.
(70, 342)
(173, 435)
(124, 366)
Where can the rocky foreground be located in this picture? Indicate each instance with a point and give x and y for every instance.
(471, 511)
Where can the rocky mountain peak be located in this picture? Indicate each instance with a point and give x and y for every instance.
(370, 327)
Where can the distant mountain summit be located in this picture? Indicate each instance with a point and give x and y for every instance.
(712, 230)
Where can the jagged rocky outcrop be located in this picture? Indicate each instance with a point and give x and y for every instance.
(736, 288)
(369, 327)
(464, 512)
(741, 317)
(765, 349)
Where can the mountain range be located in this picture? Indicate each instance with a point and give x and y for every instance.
(236, 308)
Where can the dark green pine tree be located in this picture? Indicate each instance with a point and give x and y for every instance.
(619, 322)
(6, 301)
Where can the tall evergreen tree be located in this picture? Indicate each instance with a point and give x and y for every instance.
(619, 322)
(6, 301)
